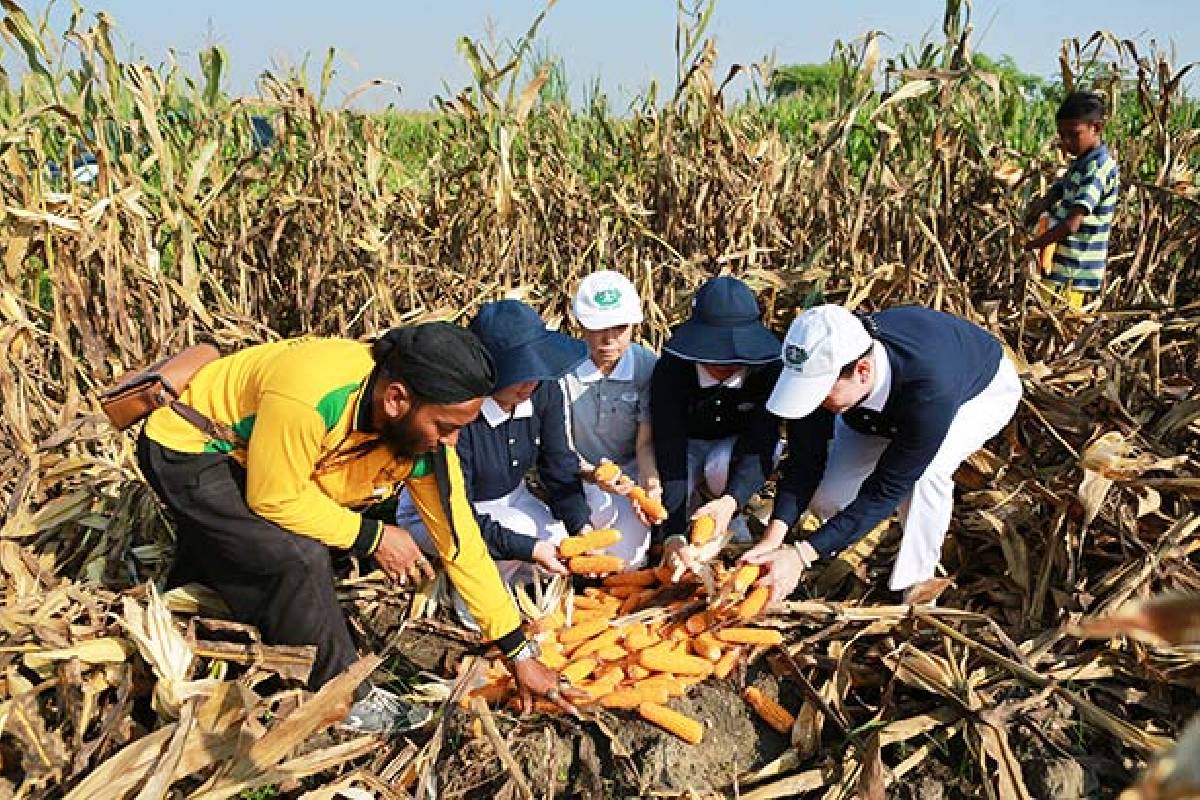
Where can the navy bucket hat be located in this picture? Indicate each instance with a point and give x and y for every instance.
(725, 327)
(521, 345)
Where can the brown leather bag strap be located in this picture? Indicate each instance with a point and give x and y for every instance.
(208, 426)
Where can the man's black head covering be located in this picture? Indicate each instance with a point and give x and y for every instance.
(441, 363)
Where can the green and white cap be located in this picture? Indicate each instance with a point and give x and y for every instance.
(606, 299)
(819, 343)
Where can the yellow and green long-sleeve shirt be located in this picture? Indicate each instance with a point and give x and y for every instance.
(303, 407)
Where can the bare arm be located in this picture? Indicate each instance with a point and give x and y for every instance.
(647, 466)
(1061, 231)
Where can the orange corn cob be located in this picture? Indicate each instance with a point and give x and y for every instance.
(637, 577)
(754, 603)
(595, 565)
(639, 637)
(635, 601)
(697, 623)
(493, 693)
(770, 711)
(728, 661)
(654, 510)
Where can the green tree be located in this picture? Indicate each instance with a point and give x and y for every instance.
(819, 80)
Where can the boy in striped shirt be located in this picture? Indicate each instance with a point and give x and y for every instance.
(1081, 204)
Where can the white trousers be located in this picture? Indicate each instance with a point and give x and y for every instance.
(614, 511)
(708, 459)
(925, 512)
(519, 511)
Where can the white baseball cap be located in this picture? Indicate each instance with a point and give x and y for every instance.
(819, 343)
(606, 299)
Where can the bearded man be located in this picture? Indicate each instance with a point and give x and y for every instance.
(271, 456)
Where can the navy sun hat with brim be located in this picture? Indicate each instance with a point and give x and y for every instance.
(725, 327)
(521, 345)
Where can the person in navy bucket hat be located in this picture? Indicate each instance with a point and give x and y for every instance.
(708, 412)
(725, 328)
(521, 426)
(524, 349)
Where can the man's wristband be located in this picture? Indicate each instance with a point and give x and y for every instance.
(511, 643)
(528, 649)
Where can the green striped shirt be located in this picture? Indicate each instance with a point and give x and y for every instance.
(1092, 183)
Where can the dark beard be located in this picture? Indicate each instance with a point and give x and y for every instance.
(397, 436)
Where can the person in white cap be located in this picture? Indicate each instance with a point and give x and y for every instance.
(882, 409)
(608, 407)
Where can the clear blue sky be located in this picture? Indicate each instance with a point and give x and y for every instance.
(622, 43)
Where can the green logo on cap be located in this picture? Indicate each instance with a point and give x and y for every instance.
(794, 356)
(607, 298)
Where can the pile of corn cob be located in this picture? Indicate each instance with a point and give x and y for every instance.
(639, 639)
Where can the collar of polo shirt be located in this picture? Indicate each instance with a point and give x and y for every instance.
(495, 415)
(588, 372)
(882, 369)
(734, 381)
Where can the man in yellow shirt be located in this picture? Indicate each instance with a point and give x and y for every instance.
(320, 430)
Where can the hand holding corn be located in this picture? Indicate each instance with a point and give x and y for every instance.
(608, 474)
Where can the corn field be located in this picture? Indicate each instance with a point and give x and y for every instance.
(142, 208)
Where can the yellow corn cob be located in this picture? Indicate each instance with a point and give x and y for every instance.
(745, 576)
(595, 645)
(654, 510)
(1046, 256)
(703, 530)
(706, 646)
(582, 631)
(614, 652)
(633, 697)
(553, 659)
(639, 637)
(683, 726)
(576, 671)
(597, 539)
(673, 662)
(607, 472)
(750, 636)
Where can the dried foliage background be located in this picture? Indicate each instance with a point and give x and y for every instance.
(908, 186)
